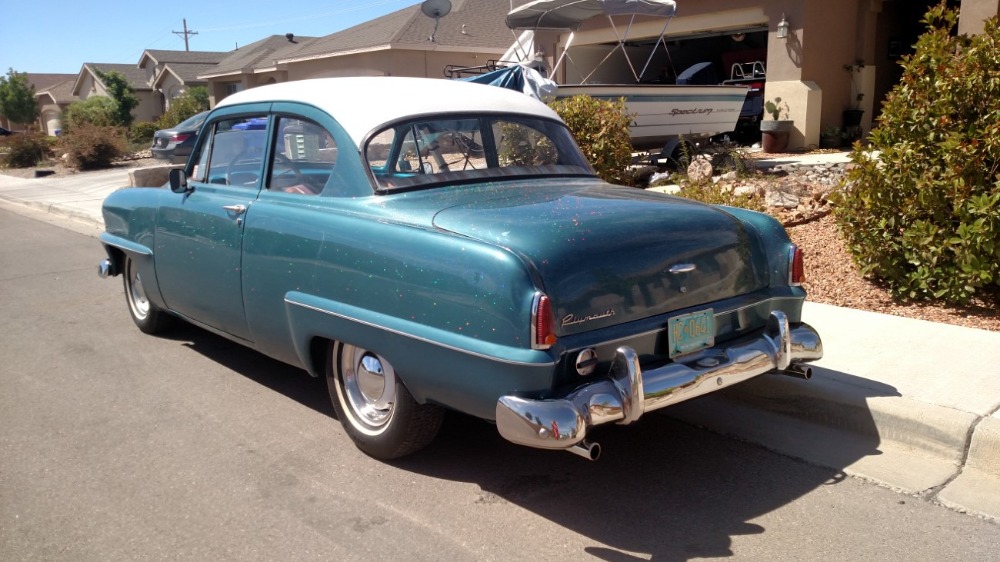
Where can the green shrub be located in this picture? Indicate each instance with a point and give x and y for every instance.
(194, 100)
(95, 110)
(601, 128)
(123, 95)
(142, 132)
(24, 150)
(92, 147)
(923, 214)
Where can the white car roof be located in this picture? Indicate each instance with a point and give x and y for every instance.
(361, 104)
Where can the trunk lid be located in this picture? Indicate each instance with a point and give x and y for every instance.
(607, 255)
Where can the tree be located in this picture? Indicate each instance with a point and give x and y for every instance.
(122, 93)
(17, 98)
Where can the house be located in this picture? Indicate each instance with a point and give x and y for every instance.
(88, 83)
(171, 73)
(822, 58)
(52, 101)
(40, 83)
(251, 65)
(397, 44)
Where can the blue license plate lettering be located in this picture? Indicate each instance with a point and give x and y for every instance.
(691, 332)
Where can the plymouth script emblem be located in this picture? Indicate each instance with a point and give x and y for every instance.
(573, 320)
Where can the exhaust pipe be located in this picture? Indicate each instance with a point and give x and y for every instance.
(586, 449)
(798, 371)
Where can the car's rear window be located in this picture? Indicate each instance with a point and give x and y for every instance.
(193, 122)
(448, 149)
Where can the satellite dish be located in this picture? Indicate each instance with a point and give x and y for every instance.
(436, 9)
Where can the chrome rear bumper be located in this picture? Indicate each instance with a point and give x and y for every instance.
(628, 392)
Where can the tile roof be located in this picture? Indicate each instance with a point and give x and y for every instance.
(471, 24)
(62, 92)
(46, 81)
(187, 73)
(136, 76)
(258, 53)
(188, 57)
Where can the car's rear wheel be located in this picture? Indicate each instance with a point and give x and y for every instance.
(374, 406)
(146, 316)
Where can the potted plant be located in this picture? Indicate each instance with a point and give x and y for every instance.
(852, 116)
(774, 133)
(831, 137)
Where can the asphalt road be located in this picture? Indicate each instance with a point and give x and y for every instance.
(120, 446)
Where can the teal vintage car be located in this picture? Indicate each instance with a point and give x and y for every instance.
(428, 245)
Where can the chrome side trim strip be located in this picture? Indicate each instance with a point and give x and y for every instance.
(547, 364)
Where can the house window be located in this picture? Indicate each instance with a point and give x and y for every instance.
(233, 88)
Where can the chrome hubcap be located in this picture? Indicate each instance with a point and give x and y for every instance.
(137, 294)
(369, 385)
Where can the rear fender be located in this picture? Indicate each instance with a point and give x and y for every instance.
(459, 372)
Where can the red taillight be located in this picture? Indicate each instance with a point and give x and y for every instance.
(181, 137)
(542, 332)
(797, 270)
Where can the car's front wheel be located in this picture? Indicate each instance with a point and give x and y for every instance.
(374, 406)
(146, 316)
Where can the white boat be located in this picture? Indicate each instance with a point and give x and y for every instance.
(663, 112)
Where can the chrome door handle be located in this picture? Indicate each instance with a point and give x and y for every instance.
(235, 209)
(683, 268)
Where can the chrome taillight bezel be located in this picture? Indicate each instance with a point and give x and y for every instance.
(541, 312)
(796, 260)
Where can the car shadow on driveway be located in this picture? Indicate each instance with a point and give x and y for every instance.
(280, 377)
(663, 487)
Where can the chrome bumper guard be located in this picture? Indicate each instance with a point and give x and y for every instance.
(628, 392)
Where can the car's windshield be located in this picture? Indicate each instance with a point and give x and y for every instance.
(447, 149)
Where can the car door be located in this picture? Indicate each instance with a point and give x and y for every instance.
(199, 235)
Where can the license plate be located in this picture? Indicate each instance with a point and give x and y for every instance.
(691, 332)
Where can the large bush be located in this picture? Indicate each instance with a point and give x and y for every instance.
(601, 129)
(92, 147)
(24, 150)
(95, 110)
(922, 214)
(194, 100)
(142, 132)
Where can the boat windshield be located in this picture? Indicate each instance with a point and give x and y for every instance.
(452, 149)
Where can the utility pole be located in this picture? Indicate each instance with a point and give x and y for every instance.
(186, 34)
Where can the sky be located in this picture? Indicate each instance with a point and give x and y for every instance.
(59, 36)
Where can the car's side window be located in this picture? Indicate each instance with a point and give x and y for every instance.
(233, 153)
(304, 155)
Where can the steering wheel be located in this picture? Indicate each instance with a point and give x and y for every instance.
(230, 176)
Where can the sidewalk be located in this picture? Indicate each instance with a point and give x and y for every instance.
(913, 405)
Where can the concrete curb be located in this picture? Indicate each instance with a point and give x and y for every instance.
(56, 209)
(934, 452)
